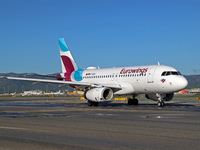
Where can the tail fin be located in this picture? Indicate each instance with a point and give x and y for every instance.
(67, 60)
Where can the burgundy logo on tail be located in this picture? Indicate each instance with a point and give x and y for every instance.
(68, 64)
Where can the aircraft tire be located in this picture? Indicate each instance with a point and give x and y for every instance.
(96, 104)
(161, 104)
(90, 103)
(135, 101)
(130, 102)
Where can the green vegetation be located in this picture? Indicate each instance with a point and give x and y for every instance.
(11, 86)
(193, 81)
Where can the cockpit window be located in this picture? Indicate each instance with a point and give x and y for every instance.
(174, 73)
(164, 73)
(167, 73)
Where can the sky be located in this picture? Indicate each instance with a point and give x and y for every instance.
(104, 33)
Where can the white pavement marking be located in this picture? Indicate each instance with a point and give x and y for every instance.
(15, 128)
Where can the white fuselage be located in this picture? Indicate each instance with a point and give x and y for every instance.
(136, 79)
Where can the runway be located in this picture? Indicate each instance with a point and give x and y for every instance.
(59, 123)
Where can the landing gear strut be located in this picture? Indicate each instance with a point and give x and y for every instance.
(91, 103)
(133, 101)
(160, 99)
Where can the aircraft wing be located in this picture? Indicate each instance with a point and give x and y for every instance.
(50, 76)
(49, 81)
(63, 83)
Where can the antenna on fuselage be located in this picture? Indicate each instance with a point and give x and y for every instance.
(158, 63)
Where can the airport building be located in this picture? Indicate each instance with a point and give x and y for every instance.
(195, 90)
(34, 92)
(190, 91)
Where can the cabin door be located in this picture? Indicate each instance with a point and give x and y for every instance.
(150, 75)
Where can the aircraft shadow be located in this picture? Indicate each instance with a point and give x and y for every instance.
(106, 104)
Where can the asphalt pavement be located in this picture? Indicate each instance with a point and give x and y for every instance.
(57, 123)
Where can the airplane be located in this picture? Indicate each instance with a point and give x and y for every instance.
(157, 82)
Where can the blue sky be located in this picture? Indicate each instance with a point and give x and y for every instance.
(105, 33)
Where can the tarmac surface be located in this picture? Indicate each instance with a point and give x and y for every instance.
(59, 123)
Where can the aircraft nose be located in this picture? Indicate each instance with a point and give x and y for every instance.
(183, 83)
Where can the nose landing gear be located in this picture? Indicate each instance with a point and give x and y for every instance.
(160, 100)
(160, 104)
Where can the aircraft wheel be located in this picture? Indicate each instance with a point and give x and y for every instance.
(130, 101)
(96, 104)
(135, 102)
(90, 103)
(161, 104)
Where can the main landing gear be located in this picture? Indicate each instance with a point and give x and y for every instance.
(133, 101)
(91, 103)
(160, 99)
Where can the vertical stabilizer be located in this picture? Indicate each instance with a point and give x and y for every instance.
(67, 60)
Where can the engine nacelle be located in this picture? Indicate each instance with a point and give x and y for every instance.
(166, 97)
(99, 94)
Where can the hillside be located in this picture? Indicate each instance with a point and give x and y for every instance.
(193, 81)
(8, 86)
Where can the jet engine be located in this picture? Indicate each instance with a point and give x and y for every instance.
(99, 94)
(166, 97)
